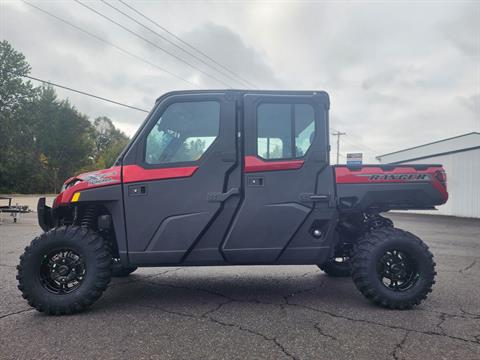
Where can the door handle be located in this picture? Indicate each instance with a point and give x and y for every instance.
(255, 181)
(134, 190)
(221, 197)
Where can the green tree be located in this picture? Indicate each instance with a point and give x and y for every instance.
(16, 134)
(64, 137)
(14, 91)
(109, 142)
(43, 139)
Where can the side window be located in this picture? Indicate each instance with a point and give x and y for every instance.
(304, 128)
(183, 133)
(274, 131)
(284, 131)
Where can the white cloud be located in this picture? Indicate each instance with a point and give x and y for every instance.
(399, 74)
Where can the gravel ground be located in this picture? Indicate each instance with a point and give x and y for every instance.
(262, 312)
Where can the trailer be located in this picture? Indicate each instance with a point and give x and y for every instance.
(13, 210)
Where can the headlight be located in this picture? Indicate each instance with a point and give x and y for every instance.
(70, 184)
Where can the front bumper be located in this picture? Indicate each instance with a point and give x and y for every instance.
(44, 214)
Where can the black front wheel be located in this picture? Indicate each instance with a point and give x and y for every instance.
(65, 270)
(393, 268)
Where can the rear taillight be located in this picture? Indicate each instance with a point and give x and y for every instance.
(441, 176)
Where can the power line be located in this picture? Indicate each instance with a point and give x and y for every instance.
(358, 143)
(168, 40)
(152, 43)
(188, 44)
(353, 142)
(109, 43)
(85, 93)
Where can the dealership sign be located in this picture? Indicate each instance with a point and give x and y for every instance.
(354, 159)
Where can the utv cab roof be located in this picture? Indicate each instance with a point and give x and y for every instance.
(322, 95)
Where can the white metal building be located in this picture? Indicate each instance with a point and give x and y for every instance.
(460, 156)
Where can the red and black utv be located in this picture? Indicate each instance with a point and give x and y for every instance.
(226, 177)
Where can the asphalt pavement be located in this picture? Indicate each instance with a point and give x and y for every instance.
(253, 312)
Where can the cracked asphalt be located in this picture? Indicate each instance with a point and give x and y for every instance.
(262, 312)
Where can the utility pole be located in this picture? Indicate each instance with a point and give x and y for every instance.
(338, 134)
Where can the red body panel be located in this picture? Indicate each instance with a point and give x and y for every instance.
(343, 175)
(135, 173)
(88, 180)
(113, 176)
(401, 174)
(255, 164)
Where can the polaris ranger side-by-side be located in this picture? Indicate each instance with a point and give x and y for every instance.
(227, 177)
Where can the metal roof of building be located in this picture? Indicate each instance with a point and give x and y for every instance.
(454, 144)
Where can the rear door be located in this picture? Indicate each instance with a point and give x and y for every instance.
(176, 175)
(288, 185)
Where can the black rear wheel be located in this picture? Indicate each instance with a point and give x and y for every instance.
(393, 268)
(65, 270)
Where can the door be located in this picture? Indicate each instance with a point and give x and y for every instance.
(287, 208)
(176, 175)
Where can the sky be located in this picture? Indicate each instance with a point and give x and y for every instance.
(399, 73)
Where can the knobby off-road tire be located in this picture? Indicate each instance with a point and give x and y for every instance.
(65, 270)
(337, 268)
(399, 255)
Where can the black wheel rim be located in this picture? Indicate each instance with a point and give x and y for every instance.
(397, 270)
(62, 271)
